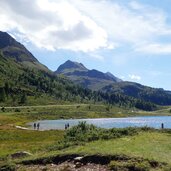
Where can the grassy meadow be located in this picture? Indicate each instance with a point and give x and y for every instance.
(149, 144)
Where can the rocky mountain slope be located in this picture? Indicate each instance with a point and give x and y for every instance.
(92, 79)
(108, 83)
(10, 48)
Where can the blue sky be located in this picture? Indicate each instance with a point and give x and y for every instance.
(129, 38)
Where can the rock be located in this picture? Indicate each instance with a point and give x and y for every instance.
(78, 164)
(20, 154)
(20, 127)
(78, 158)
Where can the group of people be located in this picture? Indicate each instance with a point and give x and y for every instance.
(66, 126)
(37, 126)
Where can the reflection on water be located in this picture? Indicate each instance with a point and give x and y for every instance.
(150, 121)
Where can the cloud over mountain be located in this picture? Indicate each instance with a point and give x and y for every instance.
(81, 25)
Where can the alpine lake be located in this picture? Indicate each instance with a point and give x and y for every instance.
(149, 121)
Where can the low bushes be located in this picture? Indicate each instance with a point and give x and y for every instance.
(86, 133)
(78, 135)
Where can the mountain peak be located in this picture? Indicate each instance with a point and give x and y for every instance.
(92, 79)
(6, 40)
(70, 65)
(13, 49)
(109, 74)
(10, 48)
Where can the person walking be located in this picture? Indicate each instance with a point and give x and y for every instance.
(38, 126)
(65, 126)
(162, 126)
(34, 125)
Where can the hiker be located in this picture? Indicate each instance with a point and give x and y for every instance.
(162, 126)
(65, 126)
(68, 125)
(34, 125)
(38, 126)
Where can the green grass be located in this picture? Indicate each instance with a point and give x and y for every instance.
(150, 145)
(134, 151)
(25, 140)
(24, 114)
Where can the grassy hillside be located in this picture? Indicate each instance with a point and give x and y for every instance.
(135, 90)
(23, 85)
(25, 81)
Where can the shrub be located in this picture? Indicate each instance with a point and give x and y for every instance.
(85, 132)
(81, 133)
(17, 110)
(3, 109)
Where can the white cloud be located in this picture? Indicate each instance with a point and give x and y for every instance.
(97, 56)
(81, 25)
(155, 48)
(52, 25)
(132, 23)
(134, 77)
(122, 77)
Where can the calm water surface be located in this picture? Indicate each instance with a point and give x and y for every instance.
(151, 121)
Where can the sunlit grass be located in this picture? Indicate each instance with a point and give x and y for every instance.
(150, 145)
(153, 145)
(26, 140)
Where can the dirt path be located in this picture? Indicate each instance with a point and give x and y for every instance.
(41, 106)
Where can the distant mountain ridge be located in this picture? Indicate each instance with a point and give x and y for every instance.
(108, 83)
(10, 48)
(155, 95)
(22, 76)
(92, 79)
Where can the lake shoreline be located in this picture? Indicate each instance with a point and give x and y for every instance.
(150, 121)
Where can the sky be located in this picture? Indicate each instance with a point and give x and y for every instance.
(129, 38)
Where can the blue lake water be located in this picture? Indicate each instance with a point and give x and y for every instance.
(150, 121)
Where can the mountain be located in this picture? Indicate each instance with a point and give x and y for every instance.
(20, 85)
(24, 80)
(79, 74)
(138, 91)
(10, 48)
(108, 83)
(70, 66)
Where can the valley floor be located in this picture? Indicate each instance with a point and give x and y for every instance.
(151, 145)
